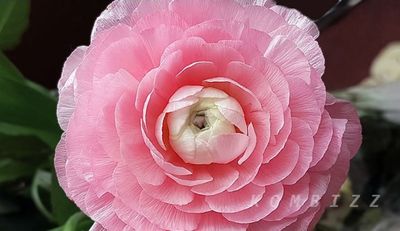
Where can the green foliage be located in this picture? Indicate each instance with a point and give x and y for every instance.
(30, 196)
(14, 18)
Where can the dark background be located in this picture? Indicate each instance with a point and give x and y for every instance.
(349, 45)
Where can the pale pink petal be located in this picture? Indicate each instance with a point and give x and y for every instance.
(60, 159)
(272, 197)
(127, 187)
(261, 18)
(158, 38)
(213, 31)
(118, 11)
(294, 17)
(227, 147)
(167, 216)
(244, 96)
(306, 43)
(205, 10)
(185, 92)
(233, 112)
(129, 54)
(66, 102)
(158, 18)
(231, 202)
(285, 54)
(266, 3)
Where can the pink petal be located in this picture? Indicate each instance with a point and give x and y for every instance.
(334, 148)
(261, 18)
(301, 134)
(266, 3)
(319, 183)
(66, 102)
(271, 225)
(127, 187)
(285, 54)
(158, 38)
(280, 139)
(294, 17)
(169, 192)
(269, 203)
(252, 144)
(233, 112)
(279, 167)
(129, 54)
(293, 199)
(303, 104)
(133, 219)
(344, 110)
(223, 177)
(118, 11)
(60, 159)
(216, 222)
(244, 96)
(101, 210)
(198, 177)
(213, 31)
(306, 43)
(167, 216)
(198, 205)
(322, 138)
(205, 10)
(231, 202)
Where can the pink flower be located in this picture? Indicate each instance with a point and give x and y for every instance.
(201, 115)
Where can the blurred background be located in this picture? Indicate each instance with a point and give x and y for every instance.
(353, 34)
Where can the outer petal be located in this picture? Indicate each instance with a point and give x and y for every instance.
(66, 88)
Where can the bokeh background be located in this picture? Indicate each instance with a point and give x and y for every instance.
(30, 198)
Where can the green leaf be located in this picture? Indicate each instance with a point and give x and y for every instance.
(27, 109)
(62, 207)
(41, 182)
(77, 222)
(24, 148)
(7, 68)
(14, 18)
(11, 170)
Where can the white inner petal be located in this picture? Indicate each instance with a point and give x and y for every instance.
(194, 130)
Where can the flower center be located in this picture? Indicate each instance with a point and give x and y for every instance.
(195, 130)
(200, 120)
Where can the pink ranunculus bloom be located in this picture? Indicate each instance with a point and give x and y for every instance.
(202, 115)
